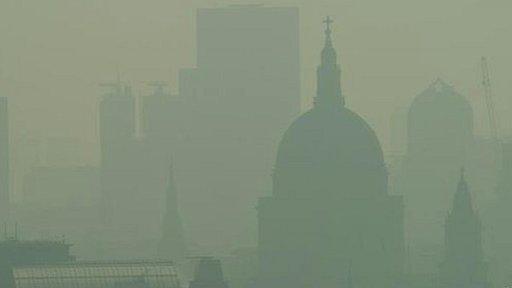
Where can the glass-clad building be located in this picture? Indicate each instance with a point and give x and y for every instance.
(97, 275)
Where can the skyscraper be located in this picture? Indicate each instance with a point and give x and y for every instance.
(463, 264)
(4, 158)
(160, 124)
(160, 119)
(117, 131)
(330, 211)
(131, 216)
(241, 96)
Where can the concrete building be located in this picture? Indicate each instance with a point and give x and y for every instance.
(241, 96)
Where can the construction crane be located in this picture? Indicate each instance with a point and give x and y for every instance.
(487, 90)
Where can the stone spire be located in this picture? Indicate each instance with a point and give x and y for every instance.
(172, 244)
(462, 205)
(328, 74)
(464, 265)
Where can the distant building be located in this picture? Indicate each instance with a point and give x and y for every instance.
(330, 220)
(4, 159)
(49, 264)
(14, 252)
(144, 274)
(439, 142)
(463, 264)
(117, 136)
(499, 219)
(242, 95)
(132, 204)
(208, 274)
(160, 120)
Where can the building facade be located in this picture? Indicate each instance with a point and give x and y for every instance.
(241, 96)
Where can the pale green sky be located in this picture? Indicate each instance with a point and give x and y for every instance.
(54, 52)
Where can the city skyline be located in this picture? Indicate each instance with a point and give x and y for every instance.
(261, 164)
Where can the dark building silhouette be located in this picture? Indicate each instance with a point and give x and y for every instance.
(160, 124)
(439, 142)
(14, 252)
(453, 113)
(132, 213)
(463, 264)
(330, 207)
(208, 274)
(137, 207)
(241, 96)
(4, 159)
(160, 120)
(117, 274)
(172, 244)
(499, 219)
(117, 132)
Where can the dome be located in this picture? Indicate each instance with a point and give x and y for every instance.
(329, 153)
(439, 106)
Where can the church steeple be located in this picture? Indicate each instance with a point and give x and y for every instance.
(328, 74)
(463, 265)
(462, 200)
(172, 243)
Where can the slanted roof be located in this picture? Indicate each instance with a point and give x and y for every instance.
(143, 274)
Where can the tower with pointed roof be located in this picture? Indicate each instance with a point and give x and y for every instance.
(329, 204)
(463, 264)
(172, 244)
(328, 74)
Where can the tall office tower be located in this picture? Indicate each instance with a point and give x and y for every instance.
(160, 121)
(117, 130)
(134, 174)
(439, 141)
(463, 264)
(330, 220)
(128, 230)
(241, 96)
(4, 159)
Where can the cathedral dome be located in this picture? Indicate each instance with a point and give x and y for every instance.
(329, 151)
(440, 121)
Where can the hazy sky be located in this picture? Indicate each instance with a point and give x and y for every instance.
(53, 53)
